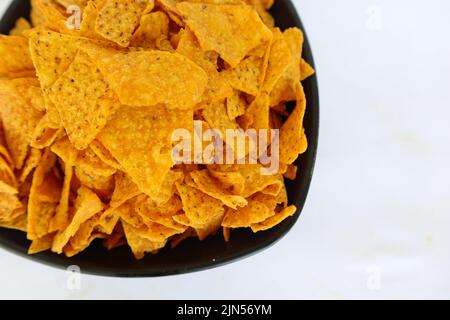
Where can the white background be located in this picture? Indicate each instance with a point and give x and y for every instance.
(376, 223)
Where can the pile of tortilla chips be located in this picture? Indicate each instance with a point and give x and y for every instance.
(87, 114)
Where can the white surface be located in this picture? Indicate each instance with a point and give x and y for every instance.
(379, 202)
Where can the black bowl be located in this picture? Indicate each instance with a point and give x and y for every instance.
(191, 255)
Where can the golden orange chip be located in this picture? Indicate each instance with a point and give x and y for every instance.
(255, 180)
(14, 55)
(233, 181)
(170, 7)
(117, 20)
(265, 16)
(83, 237)
(108, 220)
(140, 244)
(31, 162)
(152, 26)
(274, 220)
(246, 77)
(21, 26)
(257, 114)
(291, 172)
(127, 213)
(52, 54)
(161, 214)
(217, 118)
(68, 154)
(47, 14)
(230, 30)
(84, 101)
(285, 88)
(254, 212)
(204, 230)
(87, 27)
(86, 206)
(279, 60)
(236, 105)
(218, 87)
(104, 155)
(139, 138)
(9, 203)
(292, 137)
(44, 197)
(44, 135)
(41, 244)
(198, 206)
(17, 223)
(19, 120)
(203, 181)
(125, 189)
(167, 189)
(141, 78)
(305, 70)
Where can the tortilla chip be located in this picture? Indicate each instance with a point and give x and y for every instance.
(257, 114)
(230, 30)
(31, 163)
(218, 87)
(140, 140)
(168, 187)
(87, 27)
(44, 197)
(46, 13)
(291, 172)
(274, 220)
(104, 155)
(279, 60)
(14, 55)
(161, 214)
(198, 206)
(41, 244)
(236, 105)
(141, 78)
(9, 203)
(19, 121)
(109, 219)
(44, 135)
(138, 243)
(246, 77)
(233, 181)
(117, 20)
(217, 118)
(305, 70)
(285, 88)
(170, 7)
(64, 149)
(292, 137)
(124, 190)
(204, 182)
(252, 213)
(152, 26)
(84, 101)
(86, 206)
(21, 26)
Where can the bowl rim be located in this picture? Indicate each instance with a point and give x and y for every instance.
(310, 154)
